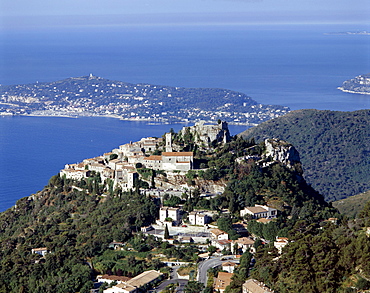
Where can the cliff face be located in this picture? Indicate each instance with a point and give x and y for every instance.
(281, 151)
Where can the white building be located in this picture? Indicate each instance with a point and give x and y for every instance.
(182, 161)
(280, 243)
(41, 251)
(167, 212)
(198, 218)
(259, 211)
(218, 234)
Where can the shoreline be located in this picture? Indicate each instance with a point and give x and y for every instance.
(149, 121)
(352, 92)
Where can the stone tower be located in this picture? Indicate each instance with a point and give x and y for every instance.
(168, 142)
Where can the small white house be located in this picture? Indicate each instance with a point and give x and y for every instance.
(42, 251)
(259, 211)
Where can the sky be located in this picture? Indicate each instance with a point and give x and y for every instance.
(25, 13)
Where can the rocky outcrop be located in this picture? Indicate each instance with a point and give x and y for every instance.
(282, 152)
(207, 133)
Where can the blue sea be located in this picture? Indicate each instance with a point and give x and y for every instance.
(296, 66)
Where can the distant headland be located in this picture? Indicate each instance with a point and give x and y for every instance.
(95, 96)
(358, 85)
(362, 33)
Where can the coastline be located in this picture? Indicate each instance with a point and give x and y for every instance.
(352, 92)
(150, 121)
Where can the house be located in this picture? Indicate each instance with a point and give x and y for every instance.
(121, 288)
(229, 266)
(145, 279)
(259, 211)
(222, 281)
(41, 251)
(254, 286)
(280, 242)
(173, 213)
(264, 220)
(245, 244)
(137, 284)
(218, 234)
(109, 279)
(223, 244)
(74, 174)
(241, 228)
(198, 218)
(153, 162)
(115, 245)
(181, 161)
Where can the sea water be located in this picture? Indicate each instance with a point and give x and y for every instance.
(295, 66)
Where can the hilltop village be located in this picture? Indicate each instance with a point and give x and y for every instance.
(193, 211)
(126, 167)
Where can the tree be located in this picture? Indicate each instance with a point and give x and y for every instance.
(193, 287)
(166, 233)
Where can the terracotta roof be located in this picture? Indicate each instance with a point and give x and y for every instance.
(144, 278)
(154, 158)
(39, 249)
(126, 287)
(229, 264)
(264, 220)
(217, 232)
(245, 241)
(254, 286)
(222, 281)
(177, 154)
(224, 241)
(256, 210)
(114, 278)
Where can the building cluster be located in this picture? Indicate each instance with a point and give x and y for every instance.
(121, 164)
(131, 285)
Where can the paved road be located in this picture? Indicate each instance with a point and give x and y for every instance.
(173, 280)
(210, 263)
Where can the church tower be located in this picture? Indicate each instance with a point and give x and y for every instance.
(168, 142)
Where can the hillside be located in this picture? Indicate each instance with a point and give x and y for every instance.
(96, 96)
(334, 148)
(75, 220)
(352, 205)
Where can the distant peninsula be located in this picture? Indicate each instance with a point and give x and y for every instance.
(362, 33)
(358, 85)
(95, 96)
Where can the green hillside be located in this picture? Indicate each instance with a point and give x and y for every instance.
(334, 148)
(352, 205)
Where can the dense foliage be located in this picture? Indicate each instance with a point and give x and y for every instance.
(74, 226)
(77, 224)
(330, 258)
(334, 147)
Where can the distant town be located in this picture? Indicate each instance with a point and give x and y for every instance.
(96, 96)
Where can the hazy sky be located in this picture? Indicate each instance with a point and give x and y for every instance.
(138, 12)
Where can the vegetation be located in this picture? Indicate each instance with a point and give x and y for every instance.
(77, 225)
(318, 259)
(334, 148)
(352, 205)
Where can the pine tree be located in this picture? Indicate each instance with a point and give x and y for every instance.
(166, 233)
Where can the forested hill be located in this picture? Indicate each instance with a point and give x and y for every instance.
(334, 148)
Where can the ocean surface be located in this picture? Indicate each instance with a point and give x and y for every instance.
(296, 66)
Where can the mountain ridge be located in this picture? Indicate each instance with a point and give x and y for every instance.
(334, 147)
